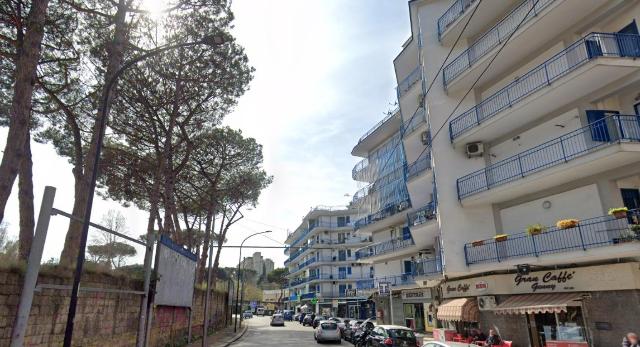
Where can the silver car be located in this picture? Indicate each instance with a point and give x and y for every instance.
(327, 331)
(277, 320)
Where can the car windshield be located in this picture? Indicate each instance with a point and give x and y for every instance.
(402, 334)
(329, 326)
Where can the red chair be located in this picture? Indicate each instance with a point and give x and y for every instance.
(506, 343)
(457, 338)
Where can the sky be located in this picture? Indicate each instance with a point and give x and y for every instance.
(324, 76)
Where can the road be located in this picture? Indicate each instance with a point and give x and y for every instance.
(293, 334)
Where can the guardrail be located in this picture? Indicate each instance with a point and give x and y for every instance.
(387, 211)
(427, 267)
(420, 165)
(418, 118)
(405, 85)
(590, 47)
(384, 247)
(493, 38)
(422, 215)
(379, 124)
(591, 233)
(599, 134)
(452, 14)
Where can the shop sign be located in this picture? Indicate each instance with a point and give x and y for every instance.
(416, 294)
(351, 293)
(549, 281)
(457, 288)
(482, 286)
(383, 288)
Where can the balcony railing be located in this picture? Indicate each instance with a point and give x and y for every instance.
(308, 231)
(591, 233)
(387, 211)
(365, 284)
(408, 82)
(414, 122)
(427, 267)
(385, 247)
(590, 47)
(420, 165)
(422, 215)
(379, 124)
(493, 38)
(599, 134)
(452, 14)
(397, 280)
(357, 170)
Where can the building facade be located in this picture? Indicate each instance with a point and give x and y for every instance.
(520, 129)
(323, 269)
(261, 266)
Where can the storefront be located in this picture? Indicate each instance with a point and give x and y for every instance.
(458, 317)
(577, 307)
(414, 304)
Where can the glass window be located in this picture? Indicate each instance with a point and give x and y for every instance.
(402, 333)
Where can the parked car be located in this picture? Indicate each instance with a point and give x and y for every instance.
(327, 331)
(260, 311)
(247, 314)
(288, 315)
(317, 321)
(277, 320)
(340, 322)
(350, 328)
(393, 336)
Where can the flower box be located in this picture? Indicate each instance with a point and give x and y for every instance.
(501, 237)
(567, 223)
(477, 243)
(619, 212)
(536, 229)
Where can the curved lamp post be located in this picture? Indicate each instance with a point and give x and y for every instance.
(238, 304)
(209, 40)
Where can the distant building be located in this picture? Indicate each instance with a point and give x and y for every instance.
(262, 266)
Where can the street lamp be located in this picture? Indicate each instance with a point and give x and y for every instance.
(209, 40)
(235, 324)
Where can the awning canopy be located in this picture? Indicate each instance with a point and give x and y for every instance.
(537, 303)
(464, 309)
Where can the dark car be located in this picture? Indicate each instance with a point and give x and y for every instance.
(317, 321)
(392, 336)
(350, 328)
(288, 315)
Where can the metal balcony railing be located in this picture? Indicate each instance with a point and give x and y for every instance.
(454, 12)
(405, 85)
(414, 122)
(308, 231)
(590, 47)
(397, 280)
(427, 267)
(599, 134)
(387, 211)
(420, 165)
(590, 233)
(365, 284)
(385, 247)
(493, 38)
(359, 168)
(422, 215)
(379, 124)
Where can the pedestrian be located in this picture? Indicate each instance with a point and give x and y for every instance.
(302, 317)
(631, 340)
(493, 339)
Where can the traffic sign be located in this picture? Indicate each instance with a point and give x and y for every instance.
(314, 301)
(383, 288)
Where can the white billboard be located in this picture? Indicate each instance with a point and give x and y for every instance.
(176, 274)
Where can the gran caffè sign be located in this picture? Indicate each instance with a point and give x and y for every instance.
(591, 278)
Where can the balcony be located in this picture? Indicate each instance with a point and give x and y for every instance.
(365, 284)
(420, 165)
(360, 171)
(452, 21)
(583, 68)
(381, 131)
(540, 25)
(396, 281)
(307, 232)
(427, 267)
(395, 247)
(422, 215)
(603, 145)
(408, 82)
(414, 123)
(604, 231)
(389, 210)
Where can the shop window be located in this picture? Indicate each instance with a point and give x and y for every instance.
(559, 327)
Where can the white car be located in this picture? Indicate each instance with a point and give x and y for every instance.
(277, 320)
(340, 322)
(327, 331)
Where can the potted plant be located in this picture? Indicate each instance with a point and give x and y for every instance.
(477, 243)
(501, 237)
(635, 228)
(625, 236)
(536, 229)
(567, 223)
(619, 212)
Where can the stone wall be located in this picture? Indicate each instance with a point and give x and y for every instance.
(102, 318)
(618, 310)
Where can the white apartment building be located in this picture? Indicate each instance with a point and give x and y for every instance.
(323, 269)
(534, 119)
(262, 266)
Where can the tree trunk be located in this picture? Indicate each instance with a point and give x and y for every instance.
(205, 249)
(20, 114)
(25, 198)
(115, 52)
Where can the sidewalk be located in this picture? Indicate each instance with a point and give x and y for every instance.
(223, 337)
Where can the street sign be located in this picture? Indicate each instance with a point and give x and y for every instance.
(314, 301)
(383, 288)
(351, 292)
(253, 304)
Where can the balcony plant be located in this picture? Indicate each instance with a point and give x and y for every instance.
(501, 237)
(619, 212)
(567, 223)
(477, 243)
(635, 228)
(625, 236)
(536, 229)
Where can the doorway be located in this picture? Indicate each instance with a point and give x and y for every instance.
(414, 316)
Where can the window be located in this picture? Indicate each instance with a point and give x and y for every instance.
(342, 255)
(349, 253)
(408, 267)
(342, 221)
(349, 270)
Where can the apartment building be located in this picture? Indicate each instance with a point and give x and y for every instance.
(262, 266)
(529, 135)
(323, 269)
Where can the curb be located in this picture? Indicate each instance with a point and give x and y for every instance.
(237, 337)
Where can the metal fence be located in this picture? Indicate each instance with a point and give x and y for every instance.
(493, 38)
(591, 46)
(422, 215)
(419, 165)
(591, 233)
(387, 211)
(557, 151)
(397, 280)
(384, 247)
(413, 123)
(405, 85)
(454, 12)
(427, 267)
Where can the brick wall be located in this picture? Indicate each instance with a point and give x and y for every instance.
(102, 319)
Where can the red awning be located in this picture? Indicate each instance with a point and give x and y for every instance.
(537, 303)
(463, 309)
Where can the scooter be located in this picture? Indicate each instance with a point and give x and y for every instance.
(360, 338)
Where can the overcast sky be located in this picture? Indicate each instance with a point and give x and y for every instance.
(324, 76)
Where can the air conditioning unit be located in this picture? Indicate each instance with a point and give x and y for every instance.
(475, 149)
(426, 138)
(487, 302)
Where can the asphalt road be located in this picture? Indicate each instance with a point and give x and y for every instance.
(293, 334)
